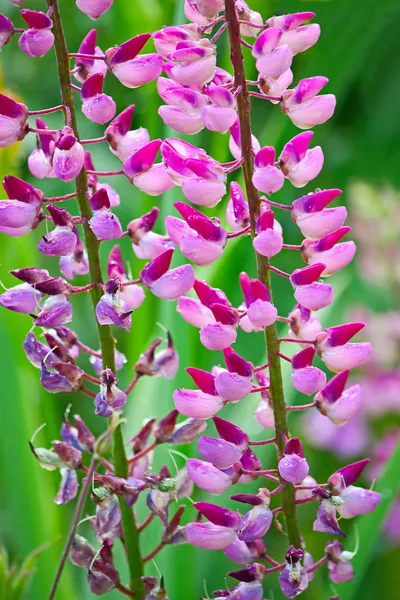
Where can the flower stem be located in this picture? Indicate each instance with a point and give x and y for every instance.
(271, 335)
(106, 339)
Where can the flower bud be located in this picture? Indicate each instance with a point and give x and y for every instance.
(187, 432)
(335, 403)
(38, 39)
(336, 353)
(267, 178)
(110, 398)
(39, 161)
(13, 121)
(94, 8)
(268, 241)
(306, 378)
(293, 467)
(308, 292)
(166, 39)
(299, 164)
(164, 283)
(104, 224)
(68, 156)
(87, 66)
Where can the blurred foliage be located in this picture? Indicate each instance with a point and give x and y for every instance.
(359, 52)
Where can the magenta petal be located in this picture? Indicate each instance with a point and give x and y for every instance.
(308, 380)
(174, 283)
(217, 336)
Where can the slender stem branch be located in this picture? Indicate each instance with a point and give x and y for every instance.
(43, 131)
(92, 379)
(94, 140)
(106, 339)
(104, 173)
(317, 564)
(284, 357)
(277, 205)
(88, 56)
(243, 231)
(132, 384)
(146, 522)
(156, 550)
(265, 97)
(296, 341)
(88, 350)
(78, 512)
(61, 198)
(262, 442)
(88, 392)
(46, 111)
(219, 32)
(278, 271)
(291, 246)
(271, 335)
(142, 453)
(302, 406)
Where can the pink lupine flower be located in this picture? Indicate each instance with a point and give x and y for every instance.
(220, 115)
(13, 121)
(309, 292)
(94, 8)
(129, 68)
(68, 157)
(62, 240)
(40, 160)
(111, 308)
(265, 415)
(55, 311)
(314, 220)
(209, 536)
(340, 569)
(132, 295)
(192, 14)
(88, 66)
(260, 311)
(208, 8)
(220, 453)
(337, 353)
(166, 39)
(297, 36)
(193, 62)
(326, 250)
(268, 241)
(303, 324)
(306, 378)
(77, 262)
(20, 213)
(205, 239)
(235, 383)
(141, 170)
(358, 501)
(251, 16)
(302, 105)
(200, 404)
(145, 243)
(123, 141)
(220, 335)
(96, 106)
(194, 312)
(22, 298)
(164, 283)
(242, 553)
(299, 163)
(337, 404)
(267, 178)
(6, 30)
(234, 141)
(38, 39)
(272, 58)
(275, 87)
(293, 466)
(207, 477)
(104, 224)
(183, 110)
(237, 210)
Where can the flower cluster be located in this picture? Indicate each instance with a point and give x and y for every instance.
(196, 94)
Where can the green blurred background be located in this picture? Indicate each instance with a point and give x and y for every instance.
(359, 53)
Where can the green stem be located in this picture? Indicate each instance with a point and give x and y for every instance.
(271, 335)
(106, 339)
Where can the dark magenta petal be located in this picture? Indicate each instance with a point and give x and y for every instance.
(217, 514)
(341, 334)
(315, 202)
(352, 472)
(157, 267)
(100, 199)
(304, 358)
(307, 275)
(294, 446)
(231, 433)
(208, 295)
(236, 364)
(204, 380)
(265, 221)
(36, 20)
(129, 50)
(92, 86)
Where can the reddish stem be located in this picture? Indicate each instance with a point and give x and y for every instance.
(156, 550)
(250, 24)
(262, 442)
(289, 360)
(61, 198)
(75, 87)
(302, 406)
(88, 350)
(262, 367)
(278, 271)
(104, 173)
(296, 341)
(88, 392)
(146, 522)
(219, 32)
(91, 379)
(121, 588)
(133, 282)
(46, 111)
(243, 231)
(142, 453)
(291, 246)
(79, 289)
(317, 564)
(88, 56)
(245, 44)
(277, 205)
(264, 96)
(211, 24)
(132, 384)
(43, 131)
(278, 489)
(94, 140)
(284, 319)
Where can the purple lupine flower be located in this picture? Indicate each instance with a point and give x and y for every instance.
(88, 66)
(55, 311)
(166, 39)
(164, 363)
(306, 378)
(68, 486)
(193, 63)
(294, 578)
(104, 224)
(68, 157)
(235, 383)
(108, 514)
(260, 311)
(111, 308)
(40, 160)
(220, 115)
(76, 263)
(326, 250)
(334, 349)
(314, 220)
(209, 536)
(110, 398)
(302, 105)
(267, 178)
(268, 240)
(308, 291)
(340, 569)
(94, 8)
(326, 521)
(132, 295)
(299, 163)
(141, 170)
(38, 39)
(145, 243)
(129, 68)
(202, 403)
(220, 453)
(207, 477)
(165, 283)
(242, 553)
(22, 298)
(255, 523)
(82, 553)
(338, 404)
(183, 109)
(36, 352)
(358, 501)
(63, 378)
(13, 121)
(123, 141)
(96, 106)
(6, 30)
(62, 240)
(293, 466)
